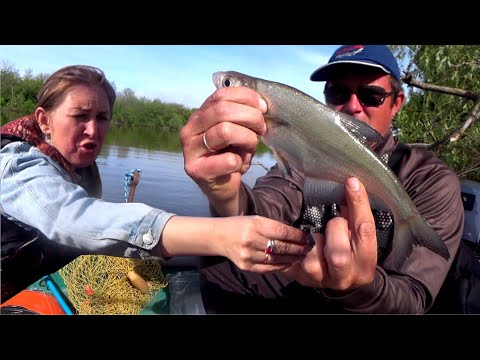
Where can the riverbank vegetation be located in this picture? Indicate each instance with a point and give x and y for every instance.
(18, 96)
(441, 113)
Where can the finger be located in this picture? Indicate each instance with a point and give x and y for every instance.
(319, 247)
(362, 224)
(265, 263)
(212, 168)
(273, 229)
(287, 260)
(315, 262)
(310, 271)
(268, 268)
(338, 251)
(241, 95)
(239, 105)
(280, 248)
(227, 134)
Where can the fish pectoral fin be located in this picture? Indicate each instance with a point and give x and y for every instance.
(318, 191)
(275, 120)
(362, 131)
(282, 164)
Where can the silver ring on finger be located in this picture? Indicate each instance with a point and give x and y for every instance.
(270, 248)
(205, 143)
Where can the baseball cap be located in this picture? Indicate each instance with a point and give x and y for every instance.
(379, 56)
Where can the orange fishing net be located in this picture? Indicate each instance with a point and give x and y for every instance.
(98, 284)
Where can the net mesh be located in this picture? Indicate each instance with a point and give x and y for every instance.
(98, 284)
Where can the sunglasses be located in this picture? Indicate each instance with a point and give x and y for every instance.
(369, 95)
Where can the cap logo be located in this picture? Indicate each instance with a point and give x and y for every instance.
(349, 51)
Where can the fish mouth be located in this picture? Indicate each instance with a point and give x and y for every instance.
(217, 79)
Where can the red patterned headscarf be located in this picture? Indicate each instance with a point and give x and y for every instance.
(27, 129)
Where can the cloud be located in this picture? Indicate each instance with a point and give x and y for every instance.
(311, 57)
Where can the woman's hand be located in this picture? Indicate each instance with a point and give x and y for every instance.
(259, 244)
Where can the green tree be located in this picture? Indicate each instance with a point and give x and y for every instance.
(18, 94)
(429, 116)
(18, 97)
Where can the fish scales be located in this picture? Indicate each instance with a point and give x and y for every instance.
(327, 145)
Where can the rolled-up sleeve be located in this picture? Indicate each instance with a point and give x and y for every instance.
(37, 192)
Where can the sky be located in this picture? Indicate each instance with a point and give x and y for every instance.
(179, 74)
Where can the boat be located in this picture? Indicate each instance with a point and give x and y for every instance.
(42, 298)
(49, 295)
(56, 293)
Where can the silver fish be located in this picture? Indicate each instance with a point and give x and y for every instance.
(328, 147)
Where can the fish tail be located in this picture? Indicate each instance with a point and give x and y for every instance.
(416, 231)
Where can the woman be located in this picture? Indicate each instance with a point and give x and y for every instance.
(51, 188)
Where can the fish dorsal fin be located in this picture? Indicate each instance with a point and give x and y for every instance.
(282, 164)
(362, 131)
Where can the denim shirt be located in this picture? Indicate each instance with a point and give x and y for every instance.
(37, 192)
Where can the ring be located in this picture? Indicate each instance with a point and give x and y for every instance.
(270, 249)
(205, 142)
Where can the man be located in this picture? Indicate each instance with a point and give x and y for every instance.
(349, 269)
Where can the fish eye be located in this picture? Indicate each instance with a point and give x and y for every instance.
(227, 82)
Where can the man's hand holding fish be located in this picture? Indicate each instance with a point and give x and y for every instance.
(345, 257)
(388, 251)
(219, 142)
